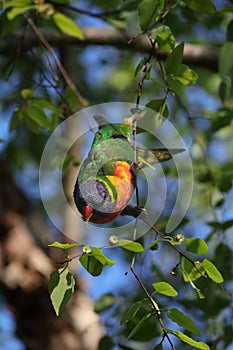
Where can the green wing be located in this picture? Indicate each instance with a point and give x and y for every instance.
(147, 157)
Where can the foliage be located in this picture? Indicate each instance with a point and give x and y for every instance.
(43, 94)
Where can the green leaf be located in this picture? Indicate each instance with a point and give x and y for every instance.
(201, 6)
(105, 343)
(9, 27)
(159, 29)
(67, 25)
(32, 125)
(182, 320)
(197, 290)
(140, 65)
(166, 41)
(196, 245)
(212, 271)
(165, 288)
(230, 31)
(71, 99)
(175, 59)
(185, 75)
(129, 5)
(129, 314)
(148, 72)
(27, 94)
(60, 1)
(189, 271)
(64, 245)
(149, 12)
(159, 346)
(190, 341)
(104, 302)
(160, 106)
(130, 245)
(61, 286)
(16, 11)
(18, 3)
(45, 104)
(224, 119)
(164, 37)
(99, 255)
(138, 326)
(17, 116)
(154, 245)
(37, 115)
(91, 264)
(221, 225)
(225, 62)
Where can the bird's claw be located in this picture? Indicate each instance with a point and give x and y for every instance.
(135, 211)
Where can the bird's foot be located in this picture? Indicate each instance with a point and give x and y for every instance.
(135, 211)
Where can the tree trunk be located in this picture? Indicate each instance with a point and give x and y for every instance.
(24, 273)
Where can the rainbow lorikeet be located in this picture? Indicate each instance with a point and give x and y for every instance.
(107, 177)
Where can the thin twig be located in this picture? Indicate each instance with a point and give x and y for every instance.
(65, 75)
(154, 306)
(181, 254)
(141, 82)
(62, 70)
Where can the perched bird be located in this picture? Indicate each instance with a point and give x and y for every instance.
(107, 176)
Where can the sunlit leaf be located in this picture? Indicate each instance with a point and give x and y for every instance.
(99, 255)
(165, 288)
(64, 245)
(190, 341)
(67, 25)
(190, 271)
(212, 271)
(185, 75)
(27, 94)
(18, 3)
(164, 37)
(196, 245)
(16, 11)
(130, 245)
(61, 287)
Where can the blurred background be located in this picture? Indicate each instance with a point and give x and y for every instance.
(35, 99)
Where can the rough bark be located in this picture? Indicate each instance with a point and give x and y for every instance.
(197, 55)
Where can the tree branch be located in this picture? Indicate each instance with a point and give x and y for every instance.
(197, 55)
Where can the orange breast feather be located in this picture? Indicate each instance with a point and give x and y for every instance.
(122, 180)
